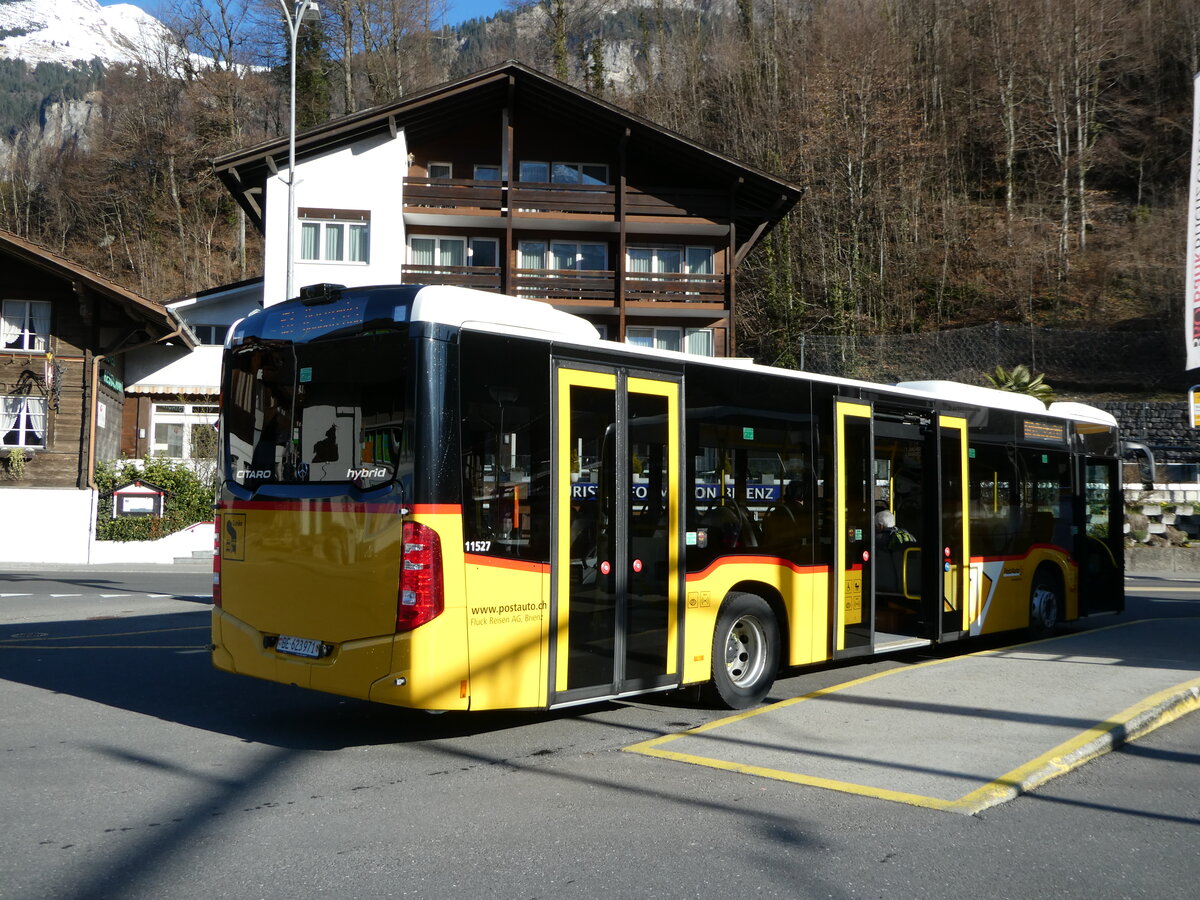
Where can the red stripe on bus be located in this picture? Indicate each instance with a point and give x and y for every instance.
(519, 565)
(755, 560)
(316, 504)
(440, 509)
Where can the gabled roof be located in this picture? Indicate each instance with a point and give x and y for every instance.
(153, 314)
(763, 198)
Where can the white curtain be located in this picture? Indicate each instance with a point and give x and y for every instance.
(310, 240)
(640, 259)
(358, 243)
(334, 242)
(533, 255)
(420, 251)
(454, 252)
(562, 256)
(699, 341)
(10, 408)
(35, 409)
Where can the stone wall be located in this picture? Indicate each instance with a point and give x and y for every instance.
(1162, 426)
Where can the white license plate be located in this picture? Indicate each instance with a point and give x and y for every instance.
(298, 646)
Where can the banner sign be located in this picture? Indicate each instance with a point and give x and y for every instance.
(1191, 305)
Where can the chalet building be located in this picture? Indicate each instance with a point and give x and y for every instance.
(65, 333)
(174, 390)
(511, 181)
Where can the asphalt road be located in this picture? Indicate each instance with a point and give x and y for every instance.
(132, 769)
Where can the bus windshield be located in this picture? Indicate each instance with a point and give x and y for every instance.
(333, 410)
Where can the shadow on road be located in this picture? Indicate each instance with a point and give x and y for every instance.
(159, 666)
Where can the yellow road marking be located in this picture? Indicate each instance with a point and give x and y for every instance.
(1137, 721)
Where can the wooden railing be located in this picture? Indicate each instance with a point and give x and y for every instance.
(483, 278)
(580, 285)
(528, 196)
(543, 197)
(675, 288)
(453, 193)
(565, 284)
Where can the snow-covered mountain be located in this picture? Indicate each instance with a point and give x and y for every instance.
(64, 31)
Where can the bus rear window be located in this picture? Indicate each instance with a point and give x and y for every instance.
(332, 411)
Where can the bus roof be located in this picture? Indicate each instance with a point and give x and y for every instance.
(500, 313)
(459, 307)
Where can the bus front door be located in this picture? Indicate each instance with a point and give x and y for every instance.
(615, 611)
(1098, 543)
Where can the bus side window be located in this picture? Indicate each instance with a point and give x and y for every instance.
(505, 439)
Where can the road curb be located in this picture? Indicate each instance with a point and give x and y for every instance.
(1124, 728)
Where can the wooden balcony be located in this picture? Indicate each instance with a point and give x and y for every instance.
(572, 199)
(593, 288)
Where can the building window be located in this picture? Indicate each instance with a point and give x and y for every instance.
(533, 170)
(453, 251)
(184, 431)
(23, 421)
(698, 341)
(441, 170)
(487, 173)
(563, 172)
(334, 236)
(483, 252)
(564, 255)
(579, 173)
(670, 260)
(210, 334)
(26, 325)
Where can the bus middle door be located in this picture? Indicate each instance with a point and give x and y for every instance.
(615, 615)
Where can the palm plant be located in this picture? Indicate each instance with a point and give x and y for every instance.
(1020, 380)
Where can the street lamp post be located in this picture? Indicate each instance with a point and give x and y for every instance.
(303, 11)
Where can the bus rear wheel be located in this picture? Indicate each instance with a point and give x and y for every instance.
(745, 651)
(1045, 604)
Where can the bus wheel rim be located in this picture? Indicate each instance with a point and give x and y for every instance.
(1045, 605)
(745, 651)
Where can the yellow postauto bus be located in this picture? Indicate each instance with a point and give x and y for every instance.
(452, 500)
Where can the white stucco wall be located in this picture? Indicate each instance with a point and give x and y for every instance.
(55, 526)
(366, 175)
(46, 525)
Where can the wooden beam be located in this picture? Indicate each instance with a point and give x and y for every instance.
(622, 166)
(508, 261)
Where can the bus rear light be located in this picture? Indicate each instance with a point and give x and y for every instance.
(422, 598)
(216, 587)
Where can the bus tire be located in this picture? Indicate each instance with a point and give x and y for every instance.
(1045, 603)
(745, 651)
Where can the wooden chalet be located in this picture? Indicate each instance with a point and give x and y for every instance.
(511, 181)
(65, 333)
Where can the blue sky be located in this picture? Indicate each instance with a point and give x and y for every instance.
(457, 10)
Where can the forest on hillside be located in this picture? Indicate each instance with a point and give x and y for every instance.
(964, 161)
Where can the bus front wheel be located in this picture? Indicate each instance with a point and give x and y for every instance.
(1045, 603)
(745, 653)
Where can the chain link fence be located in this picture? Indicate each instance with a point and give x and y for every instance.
(1082, 361)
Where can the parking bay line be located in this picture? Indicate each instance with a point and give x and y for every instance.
(1140, 718)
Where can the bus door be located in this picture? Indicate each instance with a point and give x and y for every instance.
(959, 604)
(617, 558)
(907, 528)
(902, 579)
(853, 531)
(1098, 538)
